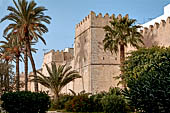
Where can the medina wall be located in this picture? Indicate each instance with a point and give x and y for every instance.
(157, 34)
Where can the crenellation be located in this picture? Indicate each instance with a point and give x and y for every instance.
(158, 34)
(57, 51)
(93, 20)
(127, 16)
(156, 25)
(119, 16)
(93, 14)
(162, 23)
(145, 30)
(99, 15)
(49, 52)
(151, 28)
(112, 16)
(86, 18)
(106, 15)
(168, 20)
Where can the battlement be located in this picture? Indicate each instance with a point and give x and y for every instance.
(156, 26)
(93, 20)
(58, 56)
(51, 51)
(93, 15)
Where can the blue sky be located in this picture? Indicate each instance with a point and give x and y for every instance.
(67, 13)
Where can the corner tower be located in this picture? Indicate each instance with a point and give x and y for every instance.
(96, 66)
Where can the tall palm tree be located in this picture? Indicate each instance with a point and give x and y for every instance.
(119, 34)
(58, 78)
(28, 19)
(3, 76)
(7, 57)
(14, 47)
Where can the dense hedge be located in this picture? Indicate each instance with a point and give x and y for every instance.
(63, 98)
(114, 102)
(109, 102)
(80, 103)
(147, 72)
(96, 100)
(25, 102)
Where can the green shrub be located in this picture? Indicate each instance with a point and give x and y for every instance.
(80, 103)
(63, 98)
(25, 102)
(96, 102)
(114, 102)
(147, 73)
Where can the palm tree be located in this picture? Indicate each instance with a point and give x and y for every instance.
(28, 19)
(119, 34)
(7, 57)
(14, 47)
(58, 78)
(3, 76)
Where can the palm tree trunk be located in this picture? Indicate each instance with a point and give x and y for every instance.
(28, 46)
(7, 77)
(56, 98)
(1, 83)
(33, 65)
(122, 56)
(26, 68)
(122, 59)
(17, 73)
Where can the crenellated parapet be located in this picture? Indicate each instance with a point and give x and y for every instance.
(57, 56)
(156, 27)
(92, 21)
(157, 34)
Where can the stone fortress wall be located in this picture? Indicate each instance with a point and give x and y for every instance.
(96, 66)
(157, 31)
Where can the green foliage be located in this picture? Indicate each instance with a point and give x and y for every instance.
(63, 98)
(147, 73)
(25, 102)
(80, 103)
(96, 99)
(58, 78)
(114, 102)
(111, 102)
(121, 32)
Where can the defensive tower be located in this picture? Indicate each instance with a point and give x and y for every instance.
(96, 66)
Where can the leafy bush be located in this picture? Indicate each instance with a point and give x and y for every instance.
(80, 103)
(25, 102)
(147, 73)
(96, 102)
(63, 98)
(114, 102)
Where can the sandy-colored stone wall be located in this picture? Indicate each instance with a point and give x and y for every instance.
(96, 66)
(159, 34)
(82, 58)
(102, 77)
